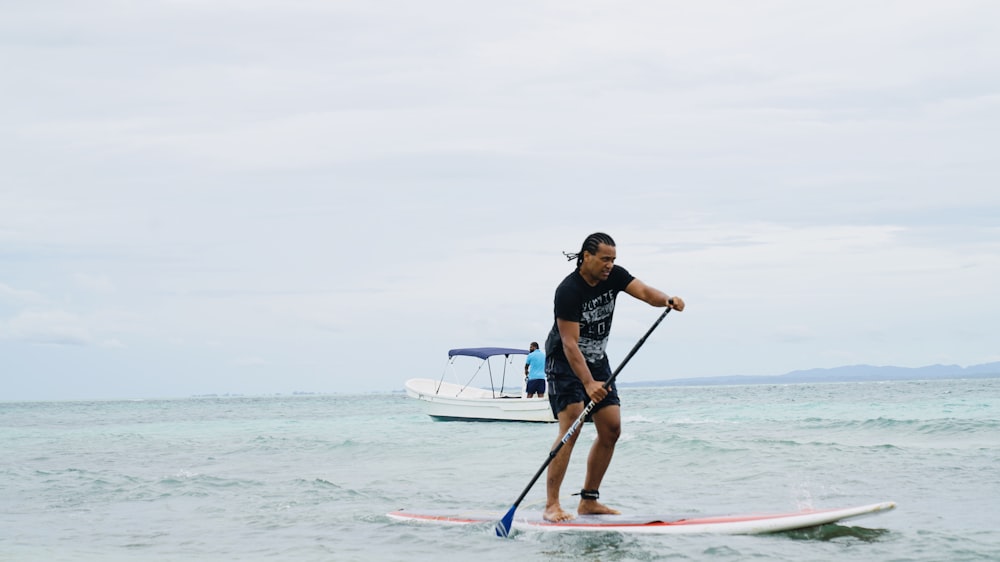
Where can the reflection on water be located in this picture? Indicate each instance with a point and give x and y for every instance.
(833, 531)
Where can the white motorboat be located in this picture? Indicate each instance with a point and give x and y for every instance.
(461, 400)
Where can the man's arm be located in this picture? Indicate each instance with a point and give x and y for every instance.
(654, 297)
(569, 333)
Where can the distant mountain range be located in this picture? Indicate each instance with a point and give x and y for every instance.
(851, 373)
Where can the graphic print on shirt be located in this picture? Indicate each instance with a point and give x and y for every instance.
(594, 323)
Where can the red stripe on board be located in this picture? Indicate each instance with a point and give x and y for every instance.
(699, 521)
(450, 519)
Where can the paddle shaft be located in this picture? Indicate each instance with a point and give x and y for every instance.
(579, 420)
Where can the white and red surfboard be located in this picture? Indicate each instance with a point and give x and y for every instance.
(749, 524)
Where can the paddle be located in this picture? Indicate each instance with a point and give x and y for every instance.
(504, 525)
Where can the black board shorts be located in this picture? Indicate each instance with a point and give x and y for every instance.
(565, 387)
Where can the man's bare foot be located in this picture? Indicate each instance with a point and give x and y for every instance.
(555, 514)
(594, 507)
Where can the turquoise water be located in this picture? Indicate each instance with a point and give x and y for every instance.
(312, 477)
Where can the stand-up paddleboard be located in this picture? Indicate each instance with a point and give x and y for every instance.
(750, 524)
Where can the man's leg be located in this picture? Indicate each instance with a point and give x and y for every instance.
(608, 423)
(557, 468)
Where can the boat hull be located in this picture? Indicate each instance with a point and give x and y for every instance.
(447, 401)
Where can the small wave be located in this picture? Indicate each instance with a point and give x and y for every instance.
(936, 426)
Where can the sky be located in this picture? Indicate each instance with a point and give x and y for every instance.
(277, 196)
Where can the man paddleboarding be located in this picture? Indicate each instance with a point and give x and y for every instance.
(576, 365)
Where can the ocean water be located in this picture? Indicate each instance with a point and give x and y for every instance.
(311, 477)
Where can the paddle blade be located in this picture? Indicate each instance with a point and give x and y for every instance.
(504, 525)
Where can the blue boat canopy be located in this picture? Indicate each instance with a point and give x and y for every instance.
(486, 352)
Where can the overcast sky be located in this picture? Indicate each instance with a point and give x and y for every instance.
(273, 196)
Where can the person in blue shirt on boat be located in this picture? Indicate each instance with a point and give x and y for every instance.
(576, 365)
(534, 372)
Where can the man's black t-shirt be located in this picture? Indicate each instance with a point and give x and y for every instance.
(593, 307)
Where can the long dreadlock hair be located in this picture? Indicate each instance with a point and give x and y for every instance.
(590, 245)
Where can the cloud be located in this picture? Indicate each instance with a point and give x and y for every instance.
(95, 283)
(19, 296)
(51, 327)
(249, 361)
